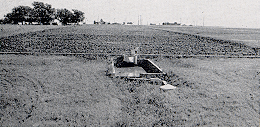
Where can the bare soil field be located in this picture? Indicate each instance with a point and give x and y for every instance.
(248, 36)
(114, 39)
(47, 90)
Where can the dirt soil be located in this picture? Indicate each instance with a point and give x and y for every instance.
(75, 91)
(114, 39)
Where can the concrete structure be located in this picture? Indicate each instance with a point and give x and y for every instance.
(132, 68)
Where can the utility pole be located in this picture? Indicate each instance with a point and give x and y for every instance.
(203, 17)
(203, 20)
(138, 19)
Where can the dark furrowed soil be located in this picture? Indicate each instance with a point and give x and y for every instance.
(118, 40)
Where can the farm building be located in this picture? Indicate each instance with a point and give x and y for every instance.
(168, 23)
(56, 22)
(101, 22)
(128, 23)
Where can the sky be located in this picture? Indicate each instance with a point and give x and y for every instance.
(224, 13)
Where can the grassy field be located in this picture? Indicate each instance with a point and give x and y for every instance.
(9, 30)
(56, 90)
(71, 91)
(246, 36)
(226, 90)
(45, 90)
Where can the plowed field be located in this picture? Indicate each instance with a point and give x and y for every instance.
(118, 40)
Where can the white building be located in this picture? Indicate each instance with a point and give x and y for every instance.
(56, 21)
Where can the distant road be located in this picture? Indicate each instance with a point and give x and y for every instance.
(248, 36)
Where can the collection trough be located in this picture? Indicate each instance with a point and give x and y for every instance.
(132, 68)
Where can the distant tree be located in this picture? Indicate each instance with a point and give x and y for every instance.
(64, 15)
(19, 14)
(78, 16)
(43, 13)
(10, 19)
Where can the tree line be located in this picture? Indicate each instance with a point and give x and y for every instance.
(42, 14)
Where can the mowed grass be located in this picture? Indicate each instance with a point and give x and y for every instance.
(56, 91)
(226, 90)
(69, 91)
(75, 91)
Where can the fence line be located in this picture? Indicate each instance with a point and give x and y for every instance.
(141, 55)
